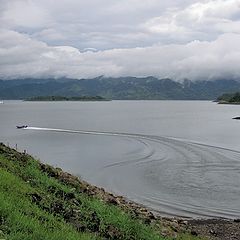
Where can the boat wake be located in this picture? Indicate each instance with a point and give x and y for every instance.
(173, 176)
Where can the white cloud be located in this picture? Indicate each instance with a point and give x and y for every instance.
(195, 60)
(85, 24)
(25, 14)
(75, 38)
(201, 20)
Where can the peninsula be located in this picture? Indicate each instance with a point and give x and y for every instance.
(229, 98)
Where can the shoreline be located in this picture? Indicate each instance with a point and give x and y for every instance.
(228, 103)
(212, 228)
(216, 229)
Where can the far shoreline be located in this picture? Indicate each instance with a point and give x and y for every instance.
(229, 103)
(66, 99)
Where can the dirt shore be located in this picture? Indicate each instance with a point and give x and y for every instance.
(215, 229)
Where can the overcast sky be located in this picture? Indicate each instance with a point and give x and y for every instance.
(84, 39)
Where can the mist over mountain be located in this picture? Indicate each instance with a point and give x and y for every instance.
(123, 88)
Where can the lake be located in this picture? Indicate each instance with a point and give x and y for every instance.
(179, 158)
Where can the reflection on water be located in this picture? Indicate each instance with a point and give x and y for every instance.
(179, 158)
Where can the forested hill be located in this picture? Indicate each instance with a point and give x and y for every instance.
(118, 88)
(229, 98)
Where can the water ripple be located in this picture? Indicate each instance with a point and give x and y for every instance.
(174, 176)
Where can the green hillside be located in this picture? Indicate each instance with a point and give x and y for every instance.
(122, 88)
(229, 98)
(39, 202)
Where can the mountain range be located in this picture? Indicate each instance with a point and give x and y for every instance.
(122, 88)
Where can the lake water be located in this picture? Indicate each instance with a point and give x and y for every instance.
(180, 158)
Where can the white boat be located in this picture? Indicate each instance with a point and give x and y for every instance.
(1, 102)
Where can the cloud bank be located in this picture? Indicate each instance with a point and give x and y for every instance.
(177, 39)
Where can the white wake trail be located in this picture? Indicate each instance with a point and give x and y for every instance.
(175, 176)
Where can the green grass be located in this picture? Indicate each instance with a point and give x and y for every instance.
(20, 219)
(34, 205)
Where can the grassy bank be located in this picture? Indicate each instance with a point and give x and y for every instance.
(38, 202)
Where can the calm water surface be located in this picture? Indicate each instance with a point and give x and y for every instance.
(180, 158)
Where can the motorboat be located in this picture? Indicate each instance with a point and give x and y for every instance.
(23, 126)
(237, 118)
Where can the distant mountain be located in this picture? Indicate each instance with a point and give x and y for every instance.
(118, 88)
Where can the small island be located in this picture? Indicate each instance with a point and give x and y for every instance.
(229, 98)
(63, 98)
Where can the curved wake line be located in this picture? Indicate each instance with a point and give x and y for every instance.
(129, 135)
(201, 171)
(85, 132)
(135, 136)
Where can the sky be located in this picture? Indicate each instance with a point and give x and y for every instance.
(197, 40)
